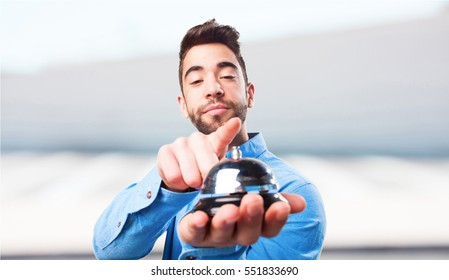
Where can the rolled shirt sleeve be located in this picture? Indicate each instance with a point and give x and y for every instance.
(130, 226)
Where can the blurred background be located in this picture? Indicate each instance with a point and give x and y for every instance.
(355, 94)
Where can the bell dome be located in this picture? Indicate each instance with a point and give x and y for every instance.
(229, 180)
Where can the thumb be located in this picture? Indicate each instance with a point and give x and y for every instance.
(223, 136)
(297, 202)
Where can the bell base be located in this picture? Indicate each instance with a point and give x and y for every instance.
(210, 205)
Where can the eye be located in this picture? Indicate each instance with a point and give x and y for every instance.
(228, 77)
(196, 82)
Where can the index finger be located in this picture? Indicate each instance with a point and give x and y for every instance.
(223, 136)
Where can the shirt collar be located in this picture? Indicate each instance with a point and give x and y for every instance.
(254, 147)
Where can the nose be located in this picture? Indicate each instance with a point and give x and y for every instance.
(214, 90)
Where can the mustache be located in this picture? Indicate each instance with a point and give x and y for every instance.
(216, 102)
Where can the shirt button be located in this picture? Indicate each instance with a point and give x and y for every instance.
(149, 194)
(190, 258)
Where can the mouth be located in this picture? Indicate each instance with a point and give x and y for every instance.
(217, 109)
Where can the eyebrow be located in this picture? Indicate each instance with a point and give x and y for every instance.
(220, 65)
(225, 64)
(193, 68)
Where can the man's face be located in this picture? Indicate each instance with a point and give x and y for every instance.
(213, 86)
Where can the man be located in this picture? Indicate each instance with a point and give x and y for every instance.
(215, 96)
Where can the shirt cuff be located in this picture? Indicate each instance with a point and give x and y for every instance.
(227, 253)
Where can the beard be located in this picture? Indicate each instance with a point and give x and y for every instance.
(198, 120)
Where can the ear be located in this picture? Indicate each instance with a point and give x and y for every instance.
(183, 106)
(250, 95)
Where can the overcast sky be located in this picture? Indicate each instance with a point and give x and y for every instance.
(37, 34)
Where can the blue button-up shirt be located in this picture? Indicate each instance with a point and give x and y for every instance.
(142, 212)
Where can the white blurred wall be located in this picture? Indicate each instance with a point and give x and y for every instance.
(381, 89)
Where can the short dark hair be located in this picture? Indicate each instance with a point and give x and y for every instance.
(211, 32)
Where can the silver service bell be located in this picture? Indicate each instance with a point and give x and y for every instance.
(229, 180)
